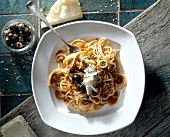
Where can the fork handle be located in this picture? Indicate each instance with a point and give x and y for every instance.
(36, 11)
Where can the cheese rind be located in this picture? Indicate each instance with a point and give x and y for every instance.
(63, 11)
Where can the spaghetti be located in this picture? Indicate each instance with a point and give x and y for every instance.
(90, 78)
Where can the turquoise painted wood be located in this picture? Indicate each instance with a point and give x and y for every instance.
(106, 17)
(10, 102)
(86, 5)
(13, 6)
(135, 4)
(126, 17)
(15, 73)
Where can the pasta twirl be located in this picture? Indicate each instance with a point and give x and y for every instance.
(89, 79)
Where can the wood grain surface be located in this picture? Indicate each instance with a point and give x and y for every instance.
(152, 30)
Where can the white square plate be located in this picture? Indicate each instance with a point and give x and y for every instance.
(55, 113)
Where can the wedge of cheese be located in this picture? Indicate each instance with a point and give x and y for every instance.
(62, 11)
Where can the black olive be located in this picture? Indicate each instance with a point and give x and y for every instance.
(77, 78)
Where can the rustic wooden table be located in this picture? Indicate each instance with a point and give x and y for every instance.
(152, 30)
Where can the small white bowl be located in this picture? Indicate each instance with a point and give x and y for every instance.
(30, 44)
(55, 113)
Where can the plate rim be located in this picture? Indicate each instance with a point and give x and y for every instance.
(80, 22)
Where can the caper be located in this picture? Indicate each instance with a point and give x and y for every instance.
(20, 38)
(7, 38)
(10, 35)
(7, 31)
(26, 29)
(21, 25)
(15, 36)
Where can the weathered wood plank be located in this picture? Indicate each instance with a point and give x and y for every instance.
(152, 30)
(161, 129)
(30, 113)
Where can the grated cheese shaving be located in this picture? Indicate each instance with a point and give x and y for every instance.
(89, 79)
